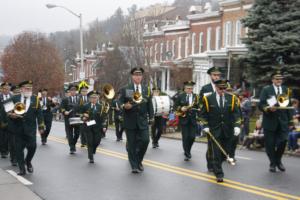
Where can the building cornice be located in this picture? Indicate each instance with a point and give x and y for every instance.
(228, 2)
(203, 15)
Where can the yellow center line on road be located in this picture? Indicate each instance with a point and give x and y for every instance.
(196, 175)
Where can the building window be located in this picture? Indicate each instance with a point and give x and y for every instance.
(238, 33)
(227, 34)
(155, 52)
(150, 54)
(208, 39)
(218, 37)
(179, 47)
(167, 46)
(193, 42)
(201, 42)
(161, 51)
(173, 49)
(186, 52)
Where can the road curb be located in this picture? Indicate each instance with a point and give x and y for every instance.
(12, 189)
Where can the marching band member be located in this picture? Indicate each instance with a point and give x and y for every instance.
(188, 106)
(276, 122)
(215, 74)
(118, 117)
(94, 120)
(220, 117)
(157, 127)
(138, 112)
(83, 99)
(4, 136)
(47, 105)
(24, 125)
(70, 109)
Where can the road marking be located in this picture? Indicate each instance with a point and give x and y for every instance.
(244, 158)
(196, 175)
(19, 178)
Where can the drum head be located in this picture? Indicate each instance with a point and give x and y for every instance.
(161, 105)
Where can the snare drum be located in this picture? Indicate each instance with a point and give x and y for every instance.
(161, 105)
(75, 121)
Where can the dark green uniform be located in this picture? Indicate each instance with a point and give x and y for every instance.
(47, 106)
(71, 104)
(136, 124)
(221, 122)
(118, 118)
(4, 135)
(82, 101)
(207, 90)
(275, 125)
(25, 130)
(189, 122)
(93, 132)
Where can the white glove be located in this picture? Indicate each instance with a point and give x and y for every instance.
(206, 130)
(237, 131)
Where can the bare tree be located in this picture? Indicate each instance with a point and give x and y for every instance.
(30, 56)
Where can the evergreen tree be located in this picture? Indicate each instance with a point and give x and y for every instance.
(273, 40)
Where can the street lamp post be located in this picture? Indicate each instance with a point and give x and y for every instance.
(81, 73)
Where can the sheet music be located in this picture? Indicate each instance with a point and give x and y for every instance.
(272, 101)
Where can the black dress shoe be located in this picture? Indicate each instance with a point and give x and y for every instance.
(3, 156)
(22, 172)
(29, 167)
(91, 161)
(272, 168)
(141, 167)
(14, 163)
(186, 158)
(281, 167)
(135, 171)
(220, 179)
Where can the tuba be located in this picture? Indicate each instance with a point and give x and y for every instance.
(181, 113)
(108, 94)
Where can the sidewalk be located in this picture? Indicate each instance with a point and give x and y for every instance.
(12, 189)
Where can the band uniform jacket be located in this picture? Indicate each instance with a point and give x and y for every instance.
(192, 114)
(68, 105)
(27, 124)
(137, 117)
(271, 120)
(95, 114)
(220, 120)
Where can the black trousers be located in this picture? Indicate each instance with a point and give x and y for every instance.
(12, 147)
(234, 140)
(209, 156)
(119, 128)
(188, 132)
(72, 135)
(93, 139)
(48, 124)
(22, 142)
(82, 135)
(137, 144)
(157, 129)
(3, 142)
(217, 156)
(275, 143)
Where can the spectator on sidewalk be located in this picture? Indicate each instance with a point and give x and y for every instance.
(294, 134)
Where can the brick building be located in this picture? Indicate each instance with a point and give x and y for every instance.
(185, 49)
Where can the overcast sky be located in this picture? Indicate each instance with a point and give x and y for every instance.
(32, 15)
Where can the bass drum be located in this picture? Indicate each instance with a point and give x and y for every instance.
(161, 105)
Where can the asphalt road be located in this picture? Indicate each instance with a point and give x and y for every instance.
(60, 176)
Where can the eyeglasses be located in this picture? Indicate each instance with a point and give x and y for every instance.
(222, 88)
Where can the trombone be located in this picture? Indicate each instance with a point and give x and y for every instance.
(18, 111)
(108, 93)
(228, 158)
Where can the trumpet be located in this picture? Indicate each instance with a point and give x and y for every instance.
(181, 113)
(19, 108)
(137, 97)
(228, 158)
